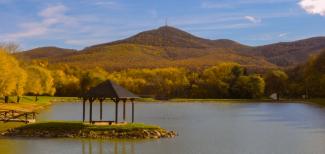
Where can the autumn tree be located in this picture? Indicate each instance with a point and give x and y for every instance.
(193, 80)
(276, 81)
(91, 78)
(66, 84)
(315, 75)
(11, 80)
(39, 81)
(217, 80)
(132, 83)
(7, 66)
(10, 47)
(251, 86)
(296, 83)
(161, 82)
(21, 79)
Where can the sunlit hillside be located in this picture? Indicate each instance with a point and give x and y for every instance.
(168, 46)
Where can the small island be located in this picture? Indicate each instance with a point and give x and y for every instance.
(88, 129)
(82, 130)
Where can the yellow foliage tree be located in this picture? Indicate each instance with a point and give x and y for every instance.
(65, 84)
(21, 79)
(161, 82)
(216, 80)
(40, 81)
(9, 68)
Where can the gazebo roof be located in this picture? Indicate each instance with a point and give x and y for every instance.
(109, 89)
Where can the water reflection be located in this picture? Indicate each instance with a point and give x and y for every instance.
(301, 116)
(203, 128)
(106, 146)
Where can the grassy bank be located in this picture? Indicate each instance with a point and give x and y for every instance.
(180, 100)
(28, 104)
(220, 100)
(5, 126)
(41, 99)
(78, 129)
(319, 101)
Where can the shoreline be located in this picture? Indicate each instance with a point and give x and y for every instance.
(199, 100)
(80, 130)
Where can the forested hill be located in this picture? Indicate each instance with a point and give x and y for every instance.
(289, 53)
(172, 37)
(169, 46)
(45, 52)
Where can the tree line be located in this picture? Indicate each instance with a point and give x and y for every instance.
(224, 80)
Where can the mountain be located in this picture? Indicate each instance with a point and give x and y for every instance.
(174, 43)
(168, 46)
(162, 47)
(45, 53)
(286, 54)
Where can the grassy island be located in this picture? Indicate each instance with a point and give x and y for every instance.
(81, 130)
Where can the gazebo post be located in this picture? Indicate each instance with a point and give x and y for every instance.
(84, 109)
(124, 110)
(132, 100)
(91, 100)
(116, 100)
(101, 108)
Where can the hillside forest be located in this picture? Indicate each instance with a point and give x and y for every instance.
(223, 80)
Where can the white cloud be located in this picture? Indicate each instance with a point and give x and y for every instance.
(51, 16)
(213, 5)
(239, 3)
(313, 6)
(153, 13)
(110, 4)
(283, 34)
(253, 19)
(52, 11)
(82, 42)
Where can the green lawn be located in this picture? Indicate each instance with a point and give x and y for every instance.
(74, 126)
(6, 126)
(80, 130)
(320, 101)
(61, 125)
(41, 99)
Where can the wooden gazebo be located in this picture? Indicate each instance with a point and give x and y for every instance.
(108, 90)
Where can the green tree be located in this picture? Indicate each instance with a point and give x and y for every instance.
(276, 82)
(314, 75)
(251, 86)
(296, 82)
(217, 80)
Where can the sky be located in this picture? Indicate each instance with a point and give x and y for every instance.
(80, 23)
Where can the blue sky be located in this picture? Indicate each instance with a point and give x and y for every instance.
(80, 23)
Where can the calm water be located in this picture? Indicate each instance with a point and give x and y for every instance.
(257, 128)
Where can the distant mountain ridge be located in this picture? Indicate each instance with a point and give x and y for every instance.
(45, 52)
(168, 46)
(289, 53)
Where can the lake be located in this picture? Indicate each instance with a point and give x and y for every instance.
(204, 128)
